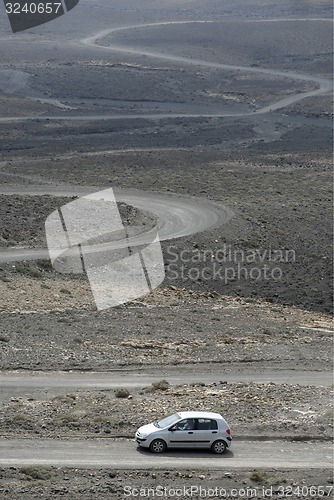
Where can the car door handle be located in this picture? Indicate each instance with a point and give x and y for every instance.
(191, 432)
(214, 432)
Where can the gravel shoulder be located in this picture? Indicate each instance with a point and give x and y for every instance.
(253, 411)
(69, 482)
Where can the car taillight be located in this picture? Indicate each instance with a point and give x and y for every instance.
(228, 431)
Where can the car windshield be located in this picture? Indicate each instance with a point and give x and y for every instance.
(165, 422)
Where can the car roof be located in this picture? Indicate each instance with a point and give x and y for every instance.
(199, 414)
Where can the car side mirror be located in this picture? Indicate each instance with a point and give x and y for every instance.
(173, 428)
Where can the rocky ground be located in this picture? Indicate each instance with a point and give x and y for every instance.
(40, 329)
(48, 482)
(254, 411)
(281, 201)
(22, 222)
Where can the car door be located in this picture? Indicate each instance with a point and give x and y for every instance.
(181, 434)
(206, 432)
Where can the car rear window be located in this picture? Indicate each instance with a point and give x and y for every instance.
(205, 424)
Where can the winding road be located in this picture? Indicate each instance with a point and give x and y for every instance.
(177, 216)
(324, 85)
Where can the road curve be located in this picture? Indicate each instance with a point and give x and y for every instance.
(324, 85)
(124, 454)
(177, 216)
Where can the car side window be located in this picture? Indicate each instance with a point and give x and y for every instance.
(205, 424)
(214, 424)
(187, 424)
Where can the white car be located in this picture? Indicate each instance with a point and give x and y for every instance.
(186, 429)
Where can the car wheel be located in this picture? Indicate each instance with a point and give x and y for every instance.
(218, 447)
(158, 446)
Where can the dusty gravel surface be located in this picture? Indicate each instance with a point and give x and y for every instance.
(281, 202)
(54, 483)
(172, 325)
(252, 410)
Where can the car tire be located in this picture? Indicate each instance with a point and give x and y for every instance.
(158, 446)
(218, 447)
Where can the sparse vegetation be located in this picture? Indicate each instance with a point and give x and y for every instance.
(258, 476)
(162, 385)
(37, 472)
(67, 417)
(26, 270)
(122, 393)
(45, 264)
(68, 398)
(266, 477)
(45, 286)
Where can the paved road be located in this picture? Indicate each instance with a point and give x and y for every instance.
(124, 454)
(21, 381)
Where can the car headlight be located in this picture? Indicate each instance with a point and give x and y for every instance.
(143, 435)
